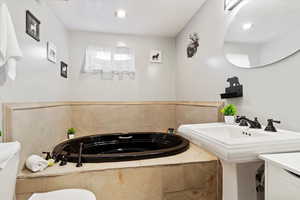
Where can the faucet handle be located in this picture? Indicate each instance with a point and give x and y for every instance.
(270, 127)
(274, 121)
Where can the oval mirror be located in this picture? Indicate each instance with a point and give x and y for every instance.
(262, 32)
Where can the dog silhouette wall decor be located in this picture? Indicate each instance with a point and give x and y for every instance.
(193, 45)
(233, 82)
(156, 56)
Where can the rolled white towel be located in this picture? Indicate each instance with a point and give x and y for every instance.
(36, 163)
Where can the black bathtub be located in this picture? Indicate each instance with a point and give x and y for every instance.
(121, 147)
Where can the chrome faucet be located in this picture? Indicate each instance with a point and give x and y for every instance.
(244, 121)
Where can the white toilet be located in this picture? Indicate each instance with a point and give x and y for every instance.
(9, 161)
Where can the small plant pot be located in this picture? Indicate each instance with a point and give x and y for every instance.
(71, 136)
(229, 119)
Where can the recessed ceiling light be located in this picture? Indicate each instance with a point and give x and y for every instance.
(247, 26)
(121, 13)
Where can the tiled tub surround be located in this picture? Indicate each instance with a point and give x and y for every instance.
(192, 175)
(103, 119)
(141, 116)
(41, 126)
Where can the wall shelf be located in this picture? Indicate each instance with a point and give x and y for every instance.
(231, 95)
(234, 91)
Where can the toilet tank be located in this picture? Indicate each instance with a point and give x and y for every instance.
(8, 177)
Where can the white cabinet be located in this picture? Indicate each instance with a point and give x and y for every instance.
(281, 184)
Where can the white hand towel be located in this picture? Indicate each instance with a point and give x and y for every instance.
(36, 163)
(10, 51)
(7, 151)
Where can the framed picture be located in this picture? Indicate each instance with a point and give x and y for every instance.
(63, 69)
(156, 56)
(32, 26)
(51, 52)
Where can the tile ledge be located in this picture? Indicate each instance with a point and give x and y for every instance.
(194, 155)
(38, 105)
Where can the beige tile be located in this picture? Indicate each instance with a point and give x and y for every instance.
(141, 183)
(159, 117)
(146, 184)
(176, 196)
(104, 183)
(196, 114)
(173, 178)
(23, 196)
(201, 195)
(133, 184)
(220, 181)
(47, 184)
(30, 185)
(39, 130)
(193, 155)
(69, 181)
(200, 175)
(96, 119)
(71, 168)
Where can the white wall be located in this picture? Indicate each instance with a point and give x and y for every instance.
(37, 79)
(270, 92)
(152, 81)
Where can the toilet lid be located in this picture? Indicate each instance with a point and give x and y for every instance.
(72, 194)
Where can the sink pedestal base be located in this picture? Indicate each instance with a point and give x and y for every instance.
(239, 181)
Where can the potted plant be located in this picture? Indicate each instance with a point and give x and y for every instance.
(229, 113)
(71, 133)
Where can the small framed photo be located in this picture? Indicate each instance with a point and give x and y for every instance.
(156, 56)
(51, 52)
(63, 70)
(32, 26)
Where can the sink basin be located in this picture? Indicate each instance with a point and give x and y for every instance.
(233, 143)
(238, 149)
(231, 133)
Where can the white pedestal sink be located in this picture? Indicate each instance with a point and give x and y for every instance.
(238, 149)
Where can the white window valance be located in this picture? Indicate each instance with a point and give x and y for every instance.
(110, 62)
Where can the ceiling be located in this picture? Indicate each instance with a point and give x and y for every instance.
(271, 19)
(145, 17)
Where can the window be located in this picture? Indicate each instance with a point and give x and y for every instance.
(110, 62)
